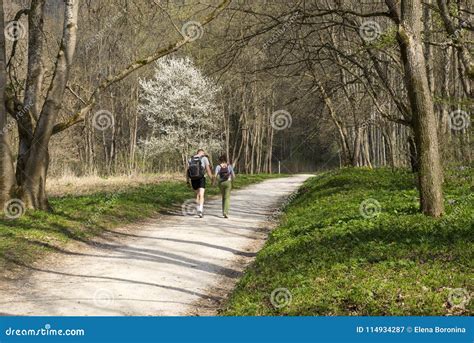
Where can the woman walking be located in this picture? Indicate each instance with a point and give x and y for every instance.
(225, 175)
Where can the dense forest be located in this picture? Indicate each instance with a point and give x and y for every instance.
(135, 86)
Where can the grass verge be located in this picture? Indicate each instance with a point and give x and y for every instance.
(330, 256)
(27, 238)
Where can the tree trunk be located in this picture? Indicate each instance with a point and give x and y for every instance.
(366, 152)
(7, 175)
(33, 190)
(424, 120)
(133, 136)
(27, 114)
(344, 146)
(428, 51)
(356, 151)
(33, 193)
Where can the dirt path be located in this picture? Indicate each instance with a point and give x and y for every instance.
(176, 265)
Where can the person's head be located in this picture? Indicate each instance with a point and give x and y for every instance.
(200, 152)
(223, 159)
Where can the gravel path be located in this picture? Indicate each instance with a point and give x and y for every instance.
(175, 265)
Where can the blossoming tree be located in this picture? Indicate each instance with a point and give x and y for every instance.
(179, 104)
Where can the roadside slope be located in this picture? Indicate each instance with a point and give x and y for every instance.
(353, 242)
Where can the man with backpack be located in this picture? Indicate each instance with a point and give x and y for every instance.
(198, 166)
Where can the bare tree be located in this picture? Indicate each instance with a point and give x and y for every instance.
(37, 126)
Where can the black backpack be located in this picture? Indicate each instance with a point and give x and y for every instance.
(195, 169)
(224, 173)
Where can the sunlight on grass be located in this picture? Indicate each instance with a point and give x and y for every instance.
(334, 260)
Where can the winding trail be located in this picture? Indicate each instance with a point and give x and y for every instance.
(174, 265)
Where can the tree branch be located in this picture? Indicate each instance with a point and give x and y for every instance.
(79, 116)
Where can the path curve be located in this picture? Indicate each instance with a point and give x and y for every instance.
(177, 265)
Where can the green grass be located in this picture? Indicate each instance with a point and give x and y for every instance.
(334, 261)
(27, 238)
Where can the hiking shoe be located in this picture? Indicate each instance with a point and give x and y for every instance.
(200, 214)
(225, 215)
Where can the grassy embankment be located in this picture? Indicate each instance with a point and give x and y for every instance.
(331, 258)
(25, 239)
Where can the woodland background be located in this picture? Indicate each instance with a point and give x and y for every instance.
(313, 84)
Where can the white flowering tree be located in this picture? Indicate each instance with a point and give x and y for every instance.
(179, 104)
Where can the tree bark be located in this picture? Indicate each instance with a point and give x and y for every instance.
(33, 191)
(428, 51)
(356, 151)
(424, 120)
(31, 104)
(7, 175)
